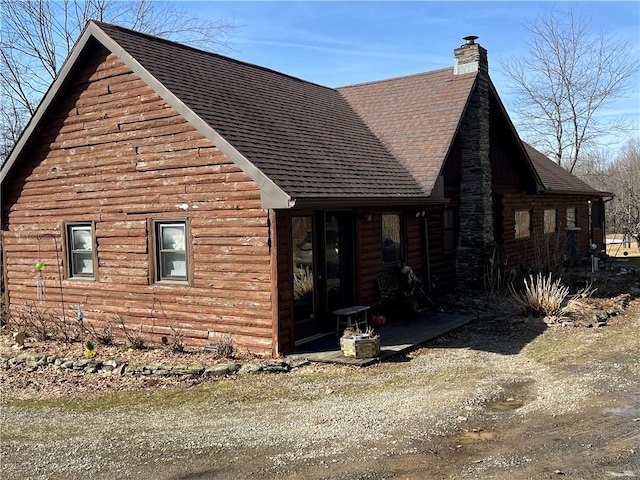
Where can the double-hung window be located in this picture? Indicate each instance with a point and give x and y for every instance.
(171, 255)
(80, 251)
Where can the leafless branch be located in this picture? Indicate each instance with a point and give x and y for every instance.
(37, 35)
(569, 75)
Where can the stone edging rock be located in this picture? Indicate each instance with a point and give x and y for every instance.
(30, 363)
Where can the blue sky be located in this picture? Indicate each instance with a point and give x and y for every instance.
(341, 43)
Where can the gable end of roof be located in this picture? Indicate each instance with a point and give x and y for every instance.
(270, 194)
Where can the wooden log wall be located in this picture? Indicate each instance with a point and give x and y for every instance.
(539, 246)
(286, 310)
(114, 153)
(369, 265)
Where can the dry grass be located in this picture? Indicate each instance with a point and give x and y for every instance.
(617, 250)
(541, 296)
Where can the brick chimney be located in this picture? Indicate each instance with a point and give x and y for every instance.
(475, 240)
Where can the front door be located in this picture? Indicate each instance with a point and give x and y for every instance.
(323, 274)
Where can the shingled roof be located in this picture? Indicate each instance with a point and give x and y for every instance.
(305, 137)
(416, 116)
(556, 179)
(304, 144)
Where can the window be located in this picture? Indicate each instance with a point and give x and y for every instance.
(171, 260)
(550, 221)
(449, 229)
(572, 217)
(523, 224)
(392, 239)
(79, 242)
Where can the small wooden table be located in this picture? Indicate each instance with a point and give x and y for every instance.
(355, 316)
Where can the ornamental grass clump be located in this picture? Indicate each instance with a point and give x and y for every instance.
(302, 283)
(541, 296)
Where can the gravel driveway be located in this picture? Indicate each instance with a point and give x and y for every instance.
(504, 397)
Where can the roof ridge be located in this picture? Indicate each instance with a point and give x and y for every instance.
(384, 80)
(185, 46)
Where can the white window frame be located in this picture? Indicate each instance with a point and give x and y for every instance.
(76, 251)
(177, 252)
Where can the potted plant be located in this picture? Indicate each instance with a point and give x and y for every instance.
(354, 343)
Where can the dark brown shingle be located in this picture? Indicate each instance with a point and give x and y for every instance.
(303, 136)
(555, 178)
(416, 116)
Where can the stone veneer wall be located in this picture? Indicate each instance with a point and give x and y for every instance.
(476, 237)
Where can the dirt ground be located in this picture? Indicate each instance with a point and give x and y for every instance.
(506, 397)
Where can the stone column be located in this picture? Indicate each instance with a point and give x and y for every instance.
(475, 240)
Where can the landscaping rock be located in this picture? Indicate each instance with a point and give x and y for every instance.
(276, 366)
(221, 370)
(80, 364)
(249, 369)
(299, 363)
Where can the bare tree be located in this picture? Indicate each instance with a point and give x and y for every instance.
(620, 176)
(623, 177)
(37, 35)
(568, 76)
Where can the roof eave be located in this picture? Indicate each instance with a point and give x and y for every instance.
(271, 196)
(593, 193)
(323, 202)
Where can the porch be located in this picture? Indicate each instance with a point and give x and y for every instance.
(395, 338)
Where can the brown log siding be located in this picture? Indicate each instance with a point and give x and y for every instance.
(539, 246)
(116, 154)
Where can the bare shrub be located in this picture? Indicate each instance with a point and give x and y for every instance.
(541, 295)
(34, 322)
(104, 335)
(548, 254)
(135, 338)
(224, 346)
(68, 331)
(496, 275)
(176, 344)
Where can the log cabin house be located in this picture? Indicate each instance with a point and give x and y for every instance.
(174, 188)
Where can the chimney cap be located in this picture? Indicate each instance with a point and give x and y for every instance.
(470, 39)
